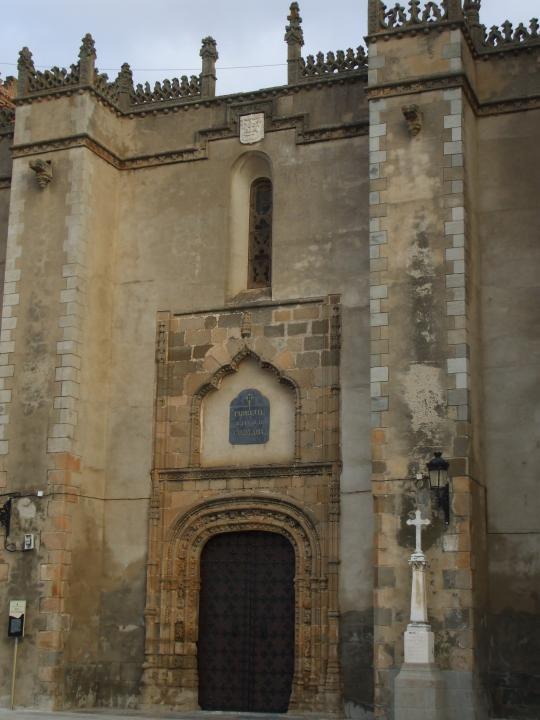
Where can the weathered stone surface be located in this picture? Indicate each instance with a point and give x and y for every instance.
(402, 318)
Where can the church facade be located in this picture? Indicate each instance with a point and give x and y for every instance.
(235, 330)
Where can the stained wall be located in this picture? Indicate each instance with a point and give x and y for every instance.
(116, 247)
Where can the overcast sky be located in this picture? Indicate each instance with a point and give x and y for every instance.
(161, 38)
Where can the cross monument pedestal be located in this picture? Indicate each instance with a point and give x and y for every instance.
(419, 688)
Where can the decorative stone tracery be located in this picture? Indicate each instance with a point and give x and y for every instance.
(194, 500)
(172, 613)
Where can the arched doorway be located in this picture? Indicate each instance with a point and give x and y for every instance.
(246, 622)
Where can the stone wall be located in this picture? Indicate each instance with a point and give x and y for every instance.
(509, 224)
(160, 240)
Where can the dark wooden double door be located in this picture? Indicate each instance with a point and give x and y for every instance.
(246, 623)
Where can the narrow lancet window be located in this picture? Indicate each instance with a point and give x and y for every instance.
(260, 234)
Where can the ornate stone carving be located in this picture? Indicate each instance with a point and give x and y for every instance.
(209, 49)
(26, 71)
(506, 35)
(7, 118)
(293, 32)
(294, 37)
(471, 10)
(172, 633)
(334, 63)
(43, 170)
(214, 384)
(209, 55)
(251, 128)
(413, 116)
(245, 328)
(398, 16)
(166, 90)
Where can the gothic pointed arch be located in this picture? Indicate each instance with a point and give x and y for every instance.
(215, 383)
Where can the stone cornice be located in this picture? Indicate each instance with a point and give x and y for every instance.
(262, 471)
(413, 30)
(479, 51)
(254, 305)
(199, 151)
(446, 82)
(185, 104)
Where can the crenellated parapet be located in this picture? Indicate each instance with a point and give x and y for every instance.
(7, 107)
(121, 93)
(320, 65)
(339, 62)
(7, 120)
(175, 89)
(399, 17)
(508, 37)
(417, 15)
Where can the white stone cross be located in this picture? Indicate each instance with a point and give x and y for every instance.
(418, 523)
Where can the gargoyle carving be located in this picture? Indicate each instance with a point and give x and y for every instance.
(43, 170)
(415, 119)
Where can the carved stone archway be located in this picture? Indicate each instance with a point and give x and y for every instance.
(170, 675)
(215, 383)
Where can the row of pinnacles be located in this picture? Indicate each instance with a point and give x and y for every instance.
(418, 15)
(126, 98)
(121, 92)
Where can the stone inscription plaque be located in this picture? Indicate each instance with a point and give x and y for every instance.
(251, 128)
(249, 418)
(419, 646)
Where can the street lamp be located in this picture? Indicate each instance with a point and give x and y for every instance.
(439, 483)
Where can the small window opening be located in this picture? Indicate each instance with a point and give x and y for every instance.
(260, 234)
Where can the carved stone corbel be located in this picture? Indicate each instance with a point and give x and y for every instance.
(414, 117)
(43, 170)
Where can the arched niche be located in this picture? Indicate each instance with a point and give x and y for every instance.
(246, 170)
(216, 448)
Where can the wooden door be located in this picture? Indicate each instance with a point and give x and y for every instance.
(246, 623)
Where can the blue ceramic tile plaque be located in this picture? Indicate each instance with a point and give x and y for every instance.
(249, 418)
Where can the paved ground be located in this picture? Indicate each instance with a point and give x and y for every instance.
(136, 715)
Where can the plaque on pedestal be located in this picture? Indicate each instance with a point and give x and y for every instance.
(419, 645)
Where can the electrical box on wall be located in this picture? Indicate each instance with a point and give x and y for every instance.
(17, 611)
(28, 542)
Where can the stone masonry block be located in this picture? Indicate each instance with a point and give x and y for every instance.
(318, 342)
(458, 397)
(378, 238)
(377, 130)
(457, 365)
(378, 291)
(455, 280)
(306, 312)
(379, 404)
(454, 94)
(453, 148)
(274, 330)
(385, 577)
(379, 374)
(378, 319)
(308, 360)
(457, 307)
(383, 616)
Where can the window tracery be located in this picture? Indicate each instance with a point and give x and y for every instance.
(260, 234)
